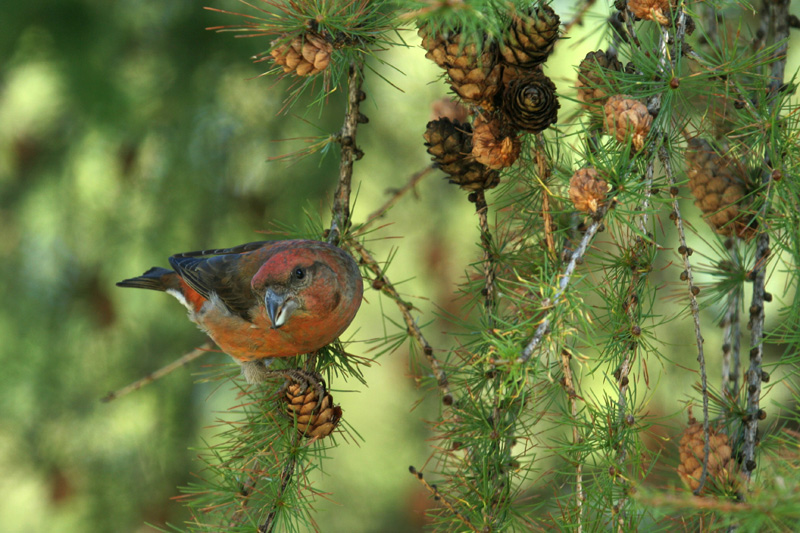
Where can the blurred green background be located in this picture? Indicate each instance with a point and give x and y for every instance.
(128, 133)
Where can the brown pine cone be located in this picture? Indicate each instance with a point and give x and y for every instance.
(313, 418)
(595, 81)
(492, 146)
(450, 144)
(722, 468)
(657, 10)
(587, 189)
(719, 190)
(624, 116)
(306, 54)
(530, 103)
(472, 73)
(531, 37)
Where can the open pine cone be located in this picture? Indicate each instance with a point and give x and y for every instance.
(530, 103)
(719, 190)
(722, 467)
(313, 417)
(450, 144)
(625, 116)
(657, 10)
(493, 146)
(306, 54)
(587, 190)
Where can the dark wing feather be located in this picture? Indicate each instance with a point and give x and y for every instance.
(227, 273)
(242, 248)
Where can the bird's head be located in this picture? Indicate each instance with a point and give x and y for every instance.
(310, 280)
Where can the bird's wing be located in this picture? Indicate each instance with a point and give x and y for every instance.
(226, 272)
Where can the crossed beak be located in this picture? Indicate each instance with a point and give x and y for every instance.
(279, 307)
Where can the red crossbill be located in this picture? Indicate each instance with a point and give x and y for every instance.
(263, 299)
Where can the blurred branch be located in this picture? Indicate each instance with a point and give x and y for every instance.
(382, 283)
(433, 489)
(160, 373)
(731, 341)
(393, 199)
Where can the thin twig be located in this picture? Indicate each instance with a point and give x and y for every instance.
(340, 222)
(382, 283)
(438, 496)
(577, 255)
(578, 18)
(286, 477)
(685, 251)
(160, 373)
(486, 243)
(396, 195)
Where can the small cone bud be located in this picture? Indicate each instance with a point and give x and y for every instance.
(625, 116)
(587, 190)
(304, 55)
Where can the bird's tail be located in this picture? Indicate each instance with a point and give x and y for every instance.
(157, 279)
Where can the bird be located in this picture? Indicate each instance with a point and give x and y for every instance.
(263, 300)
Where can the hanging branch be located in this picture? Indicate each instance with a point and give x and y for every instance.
(569, 389)
(382, 283)
(778, 16)
(731, 336)
(340, 222)
(563, 283)
(486, 243)
(687, 276)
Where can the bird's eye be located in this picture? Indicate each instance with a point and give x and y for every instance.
(299, 273)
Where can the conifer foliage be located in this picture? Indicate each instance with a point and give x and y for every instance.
(590, 251)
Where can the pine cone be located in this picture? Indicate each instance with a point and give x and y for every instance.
(450, 144)
(474, 75)
(656, 10)
(623, 115)
(492, 146)
(587, 189)
(531, 37)
(594, 79)
(530, 103)
(722, 468)
(719, 191)
(312, 417)
(306, 54)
